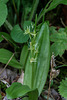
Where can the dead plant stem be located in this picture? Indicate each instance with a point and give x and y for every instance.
(52, 65)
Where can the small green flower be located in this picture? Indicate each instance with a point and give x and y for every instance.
(33, 60)
(27, 31)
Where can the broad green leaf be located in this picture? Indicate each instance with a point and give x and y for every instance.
(18, 35)
(63, 88)
(43, 58)
(4, 1)
(24, 55)
(3, 13)
(60, 43)
(25, 98)
(17, 90)
(28, 73)
(5, 55)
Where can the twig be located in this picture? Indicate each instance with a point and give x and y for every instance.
(8, 25)
(7, 64)
(59, 62)
(52, 65)
(62, 22)
(5, 82)
(7, 41)
(2, 77)
(53, 73)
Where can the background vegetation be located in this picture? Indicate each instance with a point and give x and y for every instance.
(33, 44)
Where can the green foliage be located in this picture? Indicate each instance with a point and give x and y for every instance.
(63, 88)
(3, 86)
(53, 4)
(27, 6)
(53, 30)
(3, 13)
(60, 43)
(27, 24)
(33, 95)
(24, 55)
(7, 37)
(34, 61)
(5, 55)
(18, 35)
(4, 1)
(34, 7)
(17, 90)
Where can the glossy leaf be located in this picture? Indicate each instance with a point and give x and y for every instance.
(18, 35)
(43, 57)
(28, 73)
(17, 90)
(5, 55)
(3, 13)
